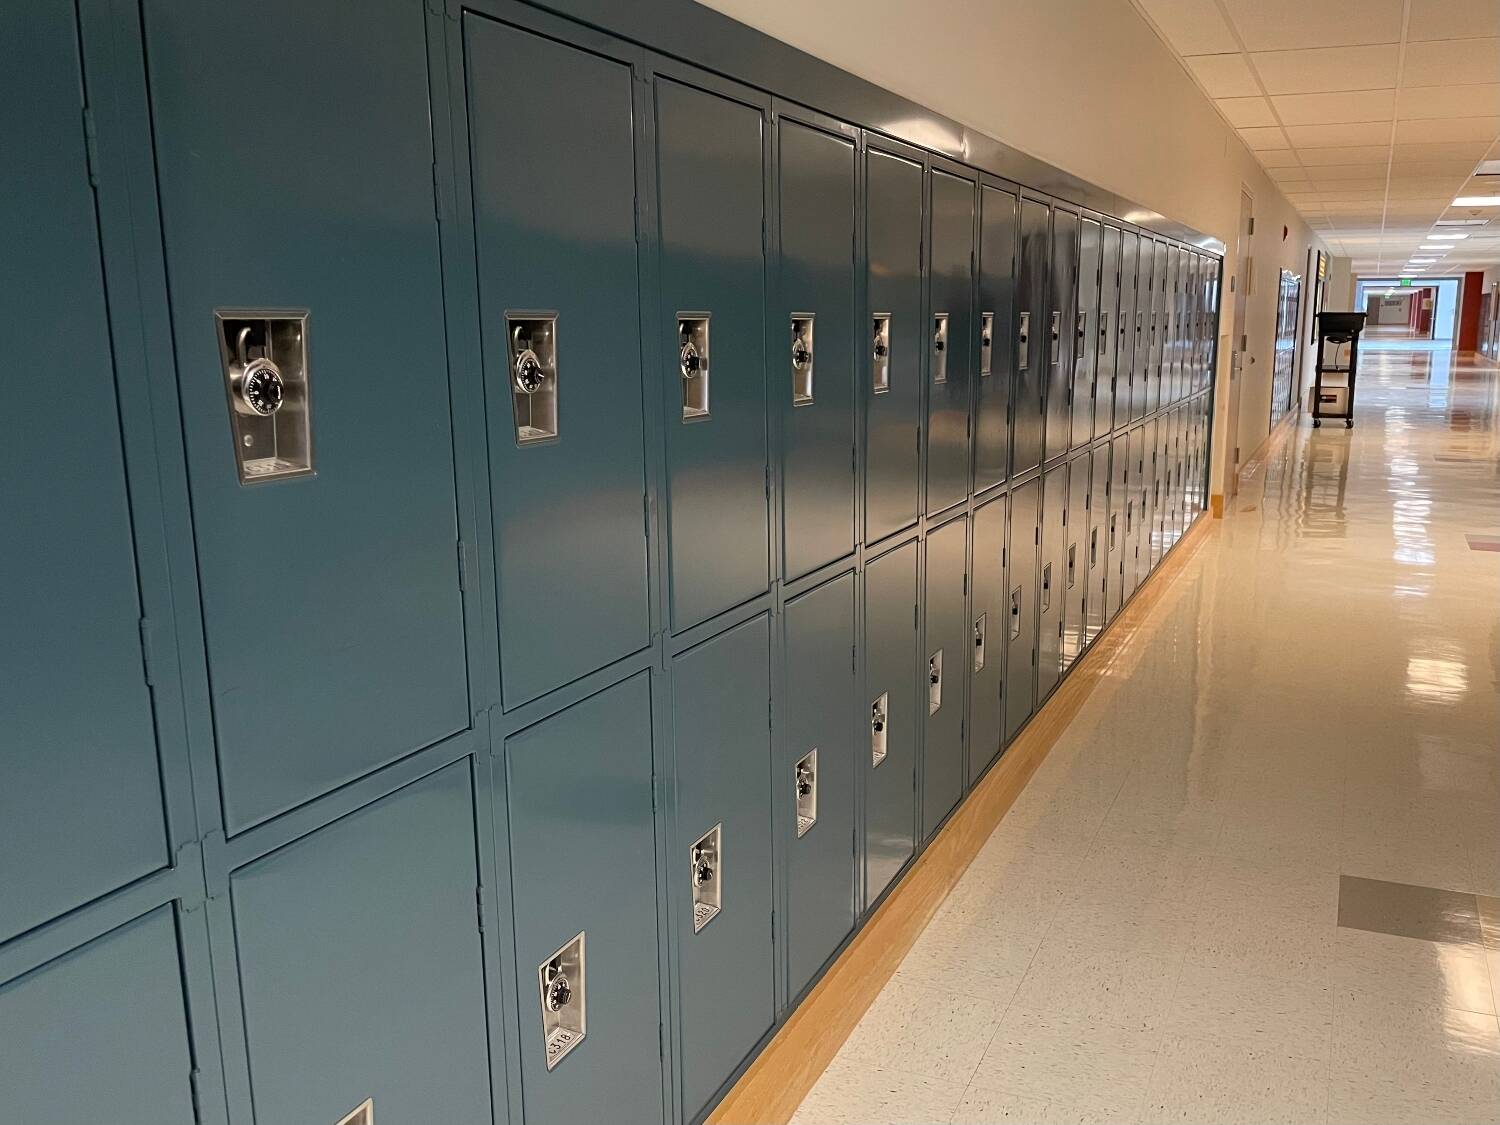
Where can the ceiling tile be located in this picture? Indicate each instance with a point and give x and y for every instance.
(1192, 27)
(1347, 189)
(1453, 19)
(1348, 133)
(1348, 154)
(1274, 25)
(1449, 61)
(1473, 100)
(1263, 137)
(1409, 152)
(1278, 158)
(1224, 76)
(1324, 69)
(1246, 113)
(1325, 109)
(1447, 129)
(1332, 172)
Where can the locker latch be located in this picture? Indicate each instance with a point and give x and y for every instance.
(979, 630)
(878, 724)
(1056, 335)
(802, 359)
(1072, 564)
(940, 347)
(934, 682)
(1015, 613)
(807, 792)
(986, 339)
(692, 361)
(264, 356)
(561, 982)
(1046, 587)
(881, 354)
(707, 877)
(533, 368)
(1081, 328)
(1023, 340)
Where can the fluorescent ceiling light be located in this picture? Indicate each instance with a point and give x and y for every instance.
(1462, 223)
(1434, 246)
(1477, 201)
(1452, 235)
(1422, 261)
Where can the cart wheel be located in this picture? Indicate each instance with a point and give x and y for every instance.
(1349, 425)
(1317, 424)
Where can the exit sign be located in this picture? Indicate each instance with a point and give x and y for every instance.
(1406, 281)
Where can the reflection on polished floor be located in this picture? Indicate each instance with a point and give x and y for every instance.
(1264, 884)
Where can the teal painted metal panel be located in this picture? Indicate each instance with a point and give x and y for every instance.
(1145, 337)
(1024, 548)
(1029, 398)
(1052, 586)
(891, 675)
(1085, 331)
(988, 616)
(1075, 560)
(999, 238)
(948, 384)
(1131, 330)
(1110, 333)
(947, 640)
(1063, 307)
(80, 785)
(1119, 518)
(555, 229)
(100, 1034)
(1096, 610)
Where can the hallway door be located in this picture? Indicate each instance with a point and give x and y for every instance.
(1237, 356)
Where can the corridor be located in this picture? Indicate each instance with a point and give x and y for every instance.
(1267, 887)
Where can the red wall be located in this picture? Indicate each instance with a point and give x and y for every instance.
(1470, 299)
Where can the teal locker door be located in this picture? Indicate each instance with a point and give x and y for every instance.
(1128, 335)
(953, 340)
(100, 1034)
(361, 967)
(1119, 525)
(584, 885)
(1145, 289)
(1060, 336)
(1032, 347)
(816, 367)
(332, 614)
(893, 397)
(1135, 513)
(1086, 331)
(1109, 335)
(987, 616)
(947, 643)
(1096, 605)
(555, 232)
(891, 674)
(712, 209)
(1052, 585)
(1076, 560)
(1023, 545)
(721, 692)
(819, 738)
(999, 237)
(81, 795)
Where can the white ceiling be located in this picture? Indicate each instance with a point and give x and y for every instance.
(1372, 116)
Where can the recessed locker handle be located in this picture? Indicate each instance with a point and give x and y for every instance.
(980, 627)
(1072, 564)
(1056, 335)
(1080, 329)
(1023, 341)
(986, 340)
(934, 682)
(802, 359)
(693, 365)
(1093, 547)
(1046, 587)
(1015, 613)
(1103, 330)
(880, 354)
(940, 347)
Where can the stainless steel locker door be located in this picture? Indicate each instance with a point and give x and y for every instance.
(998, 243)
(1158, 484)
(583, 861)
(1110, 338)
(987, 626)
(1181, 323)
(723, 780)
(1096, 605)
(816, 288)
(819, 719)
(1085, 331)
(361, 966)
(1028, 399)
(1061, 335)
(893, 407)
(1129, 327)
(1170, 324)
(100, 1034)
(946, 641)
(891, 691)
(332, 614)
(1161, 310)
(1023, 539)
(712, 207)
(952, 338)
(1076, 560)
(555, 231)
(1118, 537)
(1052, 581)
(1144, 294)
(1135, 514)
(81, 796)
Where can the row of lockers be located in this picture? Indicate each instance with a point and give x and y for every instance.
(512, 575)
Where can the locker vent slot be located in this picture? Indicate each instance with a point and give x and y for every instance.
(986, 340)
(807, 792)
(940, 348)
(880, 354)
(879, 721)
(362, 1114)
(561, 983)
(706, 858)
(980, 627)
(692, 361)
(264, 357)
(934, 682)
(533, 375)
(802, 359)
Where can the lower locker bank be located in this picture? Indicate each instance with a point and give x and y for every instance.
(520, 539)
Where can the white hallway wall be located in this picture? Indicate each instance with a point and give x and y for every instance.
(1087, 86)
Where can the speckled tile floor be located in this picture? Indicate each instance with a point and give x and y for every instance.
(1153, 933)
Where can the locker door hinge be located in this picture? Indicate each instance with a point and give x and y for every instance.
(148, 655)
(646, 515)
(437, 194)
(479, 905)
(768, 483)
(91, 146)
(1251, 229)
(465, 568)
(195, 1094)
(853, 658)
(1036, 536)
(915, 610)
(966, 584)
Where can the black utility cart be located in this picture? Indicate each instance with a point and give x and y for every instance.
(1333, 378)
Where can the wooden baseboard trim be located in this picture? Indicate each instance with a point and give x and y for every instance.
(776, 1082)
(1216, 505)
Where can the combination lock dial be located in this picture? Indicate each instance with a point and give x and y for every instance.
(692, 362)
(703, 870)
(261, 390)
(559, 991)
(529, 374)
